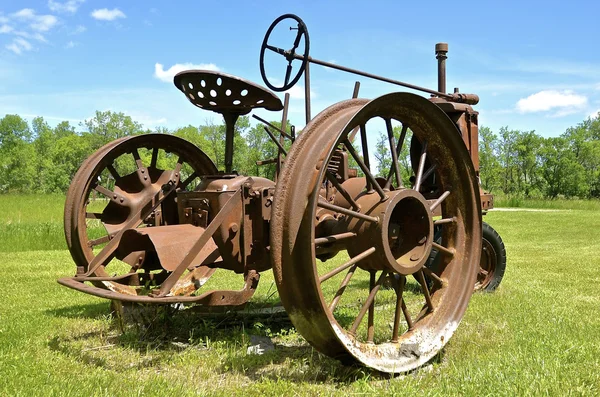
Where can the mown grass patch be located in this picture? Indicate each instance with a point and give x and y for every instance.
(536, 335)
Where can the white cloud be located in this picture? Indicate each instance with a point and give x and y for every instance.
(167, 75)
(41, 23)
(566, 102)
(70, 44)
(69, 6)
(19, 45)
(36, 36)
(105, 14)
(297, 92)
(594, 114)
(6, 29)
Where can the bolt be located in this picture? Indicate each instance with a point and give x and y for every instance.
(122, 199)
(233, 228)
(142, 170)
(115, 196)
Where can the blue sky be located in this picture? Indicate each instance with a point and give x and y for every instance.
(534, 64)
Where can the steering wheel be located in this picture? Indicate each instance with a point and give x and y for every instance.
(290, 55)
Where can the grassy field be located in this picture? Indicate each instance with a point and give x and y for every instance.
(538, 334)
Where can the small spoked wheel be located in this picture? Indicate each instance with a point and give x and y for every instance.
(349, 256)
(126, 184)
(493, 260)
(299, 51)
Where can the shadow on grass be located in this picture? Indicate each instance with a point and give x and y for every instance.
(90, 310)
(150, 336)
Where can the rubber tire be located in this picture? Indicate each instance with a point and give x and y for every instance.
(494, 239)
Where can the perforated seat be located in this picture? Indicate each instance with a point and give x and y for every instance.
(224, 93)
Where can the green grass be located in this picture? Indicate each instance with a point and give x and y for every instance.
(561, 204)
(538, 334)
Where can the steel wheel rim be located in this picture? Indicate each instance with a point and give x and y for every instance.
(303, 296)
(189, 153)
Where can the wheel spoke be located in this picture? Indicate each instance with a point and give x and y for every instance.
(105, 192)
(439, 201)
(93, 215)
(342, 288)
(275, 49)
(443, 249)
(340, 189)
(334, 238)
(288, 72)
(400, 307)
(188, 180)
(138, 160)
(113, 171)
(346, 265)
(429, 171)
(346, 211)
(371, 316)
(421, 168)
(421, 279)
(388, 182)
(368, 302)
(365, 169)
(98, 241)
(395, 166)
(444, 221)
(433, 276)
(154, 158)
(365, 152)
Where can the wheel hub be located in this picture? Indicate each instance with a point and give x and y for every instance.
(403, 236)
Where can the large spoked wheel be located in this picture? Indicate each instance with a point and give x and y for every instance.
(493, 261)
(301, 42)
(118, 187)
(386, 232)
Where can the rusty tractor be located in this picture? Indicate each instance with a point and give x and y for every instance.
(150, 218)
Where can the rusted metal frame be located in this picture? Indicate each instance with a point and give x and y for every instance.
(141, 170)
(354, 96)
(395, 166)
(400, 307)
(439, 201)
(420, 170)
(346, 265)
(361, 73)
(370, 300)
(230, 120)
(98, 241)
(281, 148)
(443, 221)
(346, 211)
(189, 179)
(366, 170)
(108, 251)
(210, 298)
(197, 247)
(93, 215)
(334, 238)
(285, 134)
(421, 279)
(388, 182)
(443, 249)
(341, 190)
(342, 288)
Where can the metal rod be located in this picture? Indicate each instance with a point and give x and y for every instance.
(342, 288)
(441, 49)
(439, 200)
(273, 126)
(334, 238)
(366, 170)
(368, 303)
(371, 316)
(307, 92)
(444, 221)
(265, 162)
(443, 249)
(346, 265)
(399, 145)
(399, 287)
(341, 190)
(395, 166)
(421, 279)
(274, 139)
(372, 76)
(348, 212)
(421, 167)
(432, 275)
(284, 116)
(230, 120)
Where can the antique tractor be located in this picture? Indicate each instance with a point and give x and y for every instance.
(341, 240)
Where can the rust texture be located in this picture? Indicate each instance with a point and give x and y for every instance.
(172, 218)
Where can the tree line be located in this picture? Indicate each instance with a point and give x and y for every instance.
(35, 157)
